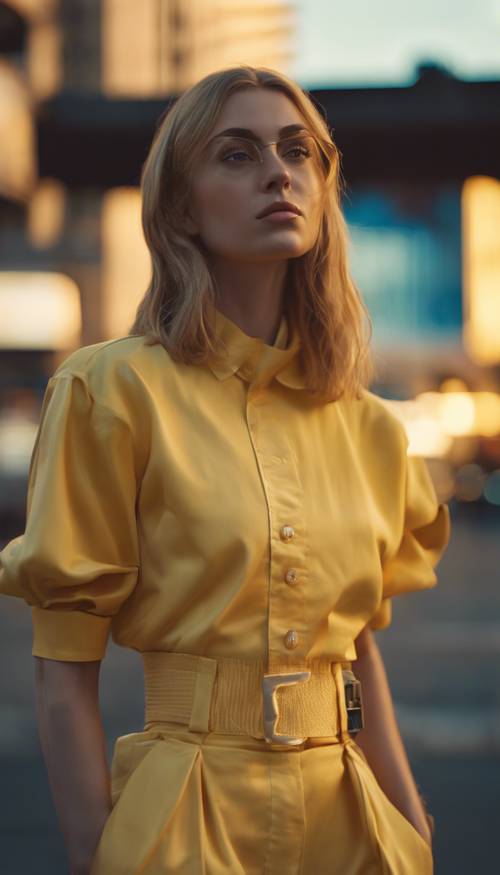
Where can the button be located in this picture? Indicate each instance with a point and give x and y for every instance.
(287, 533)
(291, 576)
(291, 639)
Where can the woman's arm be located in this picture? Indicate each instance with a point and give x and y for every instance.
(74, 748)
(380, 739)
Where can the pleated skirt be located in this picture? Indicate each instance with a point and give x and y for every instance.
(207, 803)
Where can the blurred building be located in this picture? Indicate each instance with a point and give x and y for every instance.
(96, 55)
(82, 85)
(155, 47)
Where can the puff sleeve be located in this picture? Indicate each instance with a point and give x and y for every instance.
(77, 560)
(420, 541)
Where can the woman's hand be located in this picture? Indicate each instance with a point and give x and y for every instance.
(420, 821)
(74, 748)
(380, 739)
(81, 869)
(429, 832)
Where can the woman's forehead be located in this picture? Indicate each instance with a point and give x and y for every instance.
(263, 111)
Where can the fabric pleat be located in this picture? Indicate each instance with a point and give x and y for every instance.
(188, 803)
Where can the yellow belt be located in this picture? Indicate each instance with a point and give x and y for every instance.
(236, 696)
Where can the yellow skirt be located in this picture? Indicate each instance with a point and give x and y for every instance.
(191, 802)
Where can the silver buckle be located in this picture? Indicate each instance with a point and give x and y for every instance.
(353, 702)
(270, 683)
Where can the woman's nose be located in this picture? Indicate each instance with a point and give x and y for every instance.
(274, 169)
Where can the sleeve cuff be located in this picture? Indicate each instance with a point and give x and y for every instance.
(69, 635)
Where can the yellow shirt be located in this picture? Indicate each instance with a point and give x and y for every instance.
(216, 509)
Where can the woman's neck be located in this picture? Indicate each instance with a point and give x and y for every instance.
(252, 295)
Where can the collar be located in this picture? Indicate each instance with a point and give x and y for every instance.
(254, 360)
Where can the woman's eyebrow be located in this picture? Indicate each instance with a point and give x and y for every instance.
(246, 132)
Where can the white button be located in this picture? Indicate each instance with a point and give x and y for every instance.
(291, 639)
(286, 533)
(291, 576)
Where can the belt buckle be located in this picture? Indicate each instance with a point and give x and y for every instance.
(353, 701)
(270, 683)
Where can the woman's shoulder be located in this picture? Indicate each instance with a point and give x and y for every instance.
(114, 371)
(99, 355)
(373, 420)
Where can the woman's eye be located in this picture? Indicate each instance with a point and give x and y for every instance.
(241, 155)
(302, 150)
(228, 155)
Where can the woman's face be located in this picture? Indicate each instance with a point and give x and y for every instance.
(229, 189)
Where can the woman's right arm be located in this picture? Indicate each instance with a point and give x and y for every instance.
(74, 748)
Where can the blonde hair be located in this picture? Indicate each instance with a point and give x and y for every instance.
(322, 300)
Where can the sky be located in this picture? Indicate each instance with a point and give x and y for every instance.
(365, 42)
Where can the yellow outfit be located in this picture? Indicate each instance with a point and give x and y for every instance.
(217, 520)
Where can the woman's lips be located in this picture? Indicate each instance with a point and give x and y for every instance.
(281, 216)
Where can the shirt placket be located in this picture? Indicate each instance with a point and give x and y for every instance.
(288, 630)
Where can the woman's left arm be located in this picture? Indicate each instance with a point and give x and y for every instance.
(380, 739)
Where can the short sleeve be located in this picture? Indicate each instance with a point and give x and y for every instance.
(77, 561)
(417, 549)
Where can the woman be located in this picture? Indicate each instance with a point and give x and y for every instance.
(221, 492)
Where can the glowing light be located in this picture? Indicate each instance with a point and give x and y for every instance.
(481, 268)
(126, 263)
(457, 413)
(17, 436)
(453, 384)
(38, 311)
(46, 213)
(433, 419)
(17, 151)
(487, 406)
(45, 51)
(427, 438)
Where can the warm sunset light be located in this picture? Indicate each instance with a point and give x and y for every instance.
(17, 170)
(481, 268)
(38, 310)
(153, 48)
(233, 524)
(433, 419)
(125, 259)
(46, 213)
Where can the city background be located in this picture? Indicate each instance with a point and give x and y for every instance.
(412, 94)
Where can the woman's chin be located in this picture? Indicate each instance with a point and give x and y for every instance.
(279, 249)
